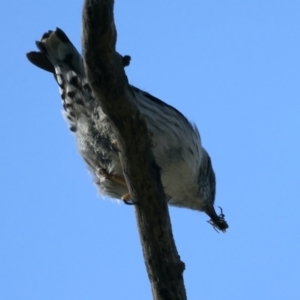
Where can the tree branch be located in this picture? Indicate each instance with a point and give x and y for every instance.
(105, 73)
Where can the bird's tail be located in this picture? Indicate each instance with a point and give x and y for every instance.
(81, 109)
(56, 51)
(59, 56)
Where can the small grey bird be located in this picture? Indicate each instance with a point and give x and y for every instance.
(186, 169)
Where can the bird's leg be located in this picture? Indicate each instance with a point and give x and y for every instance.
(113, 177)
(120, 180)
(217, 221)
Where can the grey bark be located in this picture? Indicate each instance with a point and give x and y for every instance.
(107, 78)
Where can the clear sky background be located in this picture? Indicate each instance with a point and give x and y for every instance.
(232, 67)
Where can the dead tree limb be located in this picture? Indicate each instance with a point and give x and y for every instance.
(105, 72)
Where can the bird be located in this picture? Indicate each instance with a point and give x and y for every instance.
(186, 168)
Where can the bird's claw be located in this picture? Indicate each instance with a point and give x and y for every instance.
(127, 199)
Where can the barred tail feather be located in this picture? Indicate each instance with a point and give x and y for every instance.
(59, 56)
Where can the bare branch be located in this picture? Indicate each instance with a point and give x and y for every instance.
(105, 72)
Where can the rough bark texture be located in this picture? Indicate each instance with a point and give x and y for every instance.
(105, 72)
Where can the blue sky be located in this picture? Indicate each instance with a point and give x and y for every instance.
(233, 68)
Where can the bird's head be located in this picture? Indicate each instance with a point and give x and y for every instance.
(207, 192)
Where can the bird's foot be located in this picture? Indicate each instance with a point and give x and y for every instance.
(127, 199)
(118, 179)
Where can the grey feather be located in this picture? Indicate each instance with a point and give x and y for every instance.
(186, 169)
